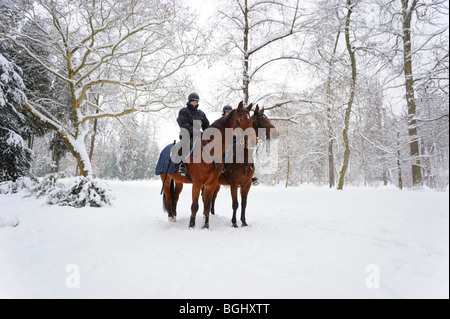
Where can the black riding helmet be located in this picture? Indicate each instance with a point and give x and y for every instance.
(227, 108)
(193, 97)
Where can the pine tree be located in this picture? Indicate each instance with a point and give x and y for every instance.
(15, 157)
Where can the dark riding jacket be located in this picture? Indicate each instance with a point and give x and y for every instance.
(188, 115)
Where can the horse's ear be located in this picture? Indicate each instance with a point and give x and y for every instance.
(262, 111)
(257, 109)
(249, 108)
(241, 106)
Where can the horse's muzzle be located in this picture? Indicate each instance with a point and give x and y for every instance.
(252, 140)
(273, 133)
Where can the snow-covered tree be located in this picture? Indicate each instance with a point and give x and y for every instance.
(131, 49)
(433, 129)
(131, 153)
(351, 4)
(254, 31)
(415, 44)
(15, 157)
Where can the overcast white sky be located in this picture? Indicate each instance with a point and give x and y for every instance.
(202, 78)
(205, 78)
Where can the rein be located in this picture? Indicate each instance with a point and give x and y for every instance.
(216, 165)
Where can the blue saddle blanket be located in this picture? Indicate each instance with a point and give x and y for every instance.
(164, 157)
(164, 161)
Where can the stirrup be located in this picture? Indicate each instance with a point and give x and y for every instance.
(182, 170)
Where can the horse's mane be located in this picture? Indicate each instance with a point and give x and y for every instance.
(223, 120)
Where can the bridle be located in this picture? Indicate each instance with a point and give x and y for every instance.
(243, 140)
(267, 128)
(236, 119)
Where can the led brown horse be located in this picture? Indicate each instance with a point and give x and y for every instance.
(240, 174)
(204, 174)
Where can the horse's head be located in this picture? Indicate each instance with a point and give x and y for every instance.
(261, 121)
(243, 120)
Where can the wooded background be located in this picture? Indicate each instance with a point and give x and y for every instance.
(358, 88)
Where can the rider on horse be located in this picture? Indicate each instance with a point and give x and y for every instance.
(226, 110)
(186, 119)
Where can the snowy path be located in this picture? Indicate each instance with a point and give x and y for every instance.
(302, 242)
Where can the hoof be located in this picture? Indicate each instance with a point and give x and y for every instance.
(192, 223)
(235, 225)
(206, 226)
(172, 219)
(244, 224)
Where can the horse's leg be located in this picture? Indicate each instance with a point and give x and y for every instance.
(177, 192)
(208, 194)
(167, 198)
(213, 202)
(245, 189)
(234, 190)
(194, 207)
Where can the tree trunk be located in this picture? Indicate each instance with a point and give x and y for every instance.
(54, 156)
(78, 150)
(94, 133)
(96, 98)
(385, 178)
(31, 142)
(246, 78)
(351, 99)
(400, 179)
(331, 179)
(363, 151)
(288, 170)
(123, 170)
(83, 167)
(409, 86)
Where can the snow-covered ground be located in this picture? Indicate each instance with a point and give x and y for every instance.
(302, 242)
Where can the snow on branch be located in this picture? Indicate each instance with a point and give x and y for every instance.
(103, 115)
(50, 69)
(379, 147)
(53, 123)
(293, 28)
(430, 120)
(300, 100)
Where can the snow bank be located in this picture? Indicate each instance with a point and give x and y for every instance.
(11, 221)
(75, 192)
(304, 242)
(15, 187)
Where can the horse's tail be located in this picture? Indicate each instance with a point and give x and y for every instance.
(165, 203)
(172, 196)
